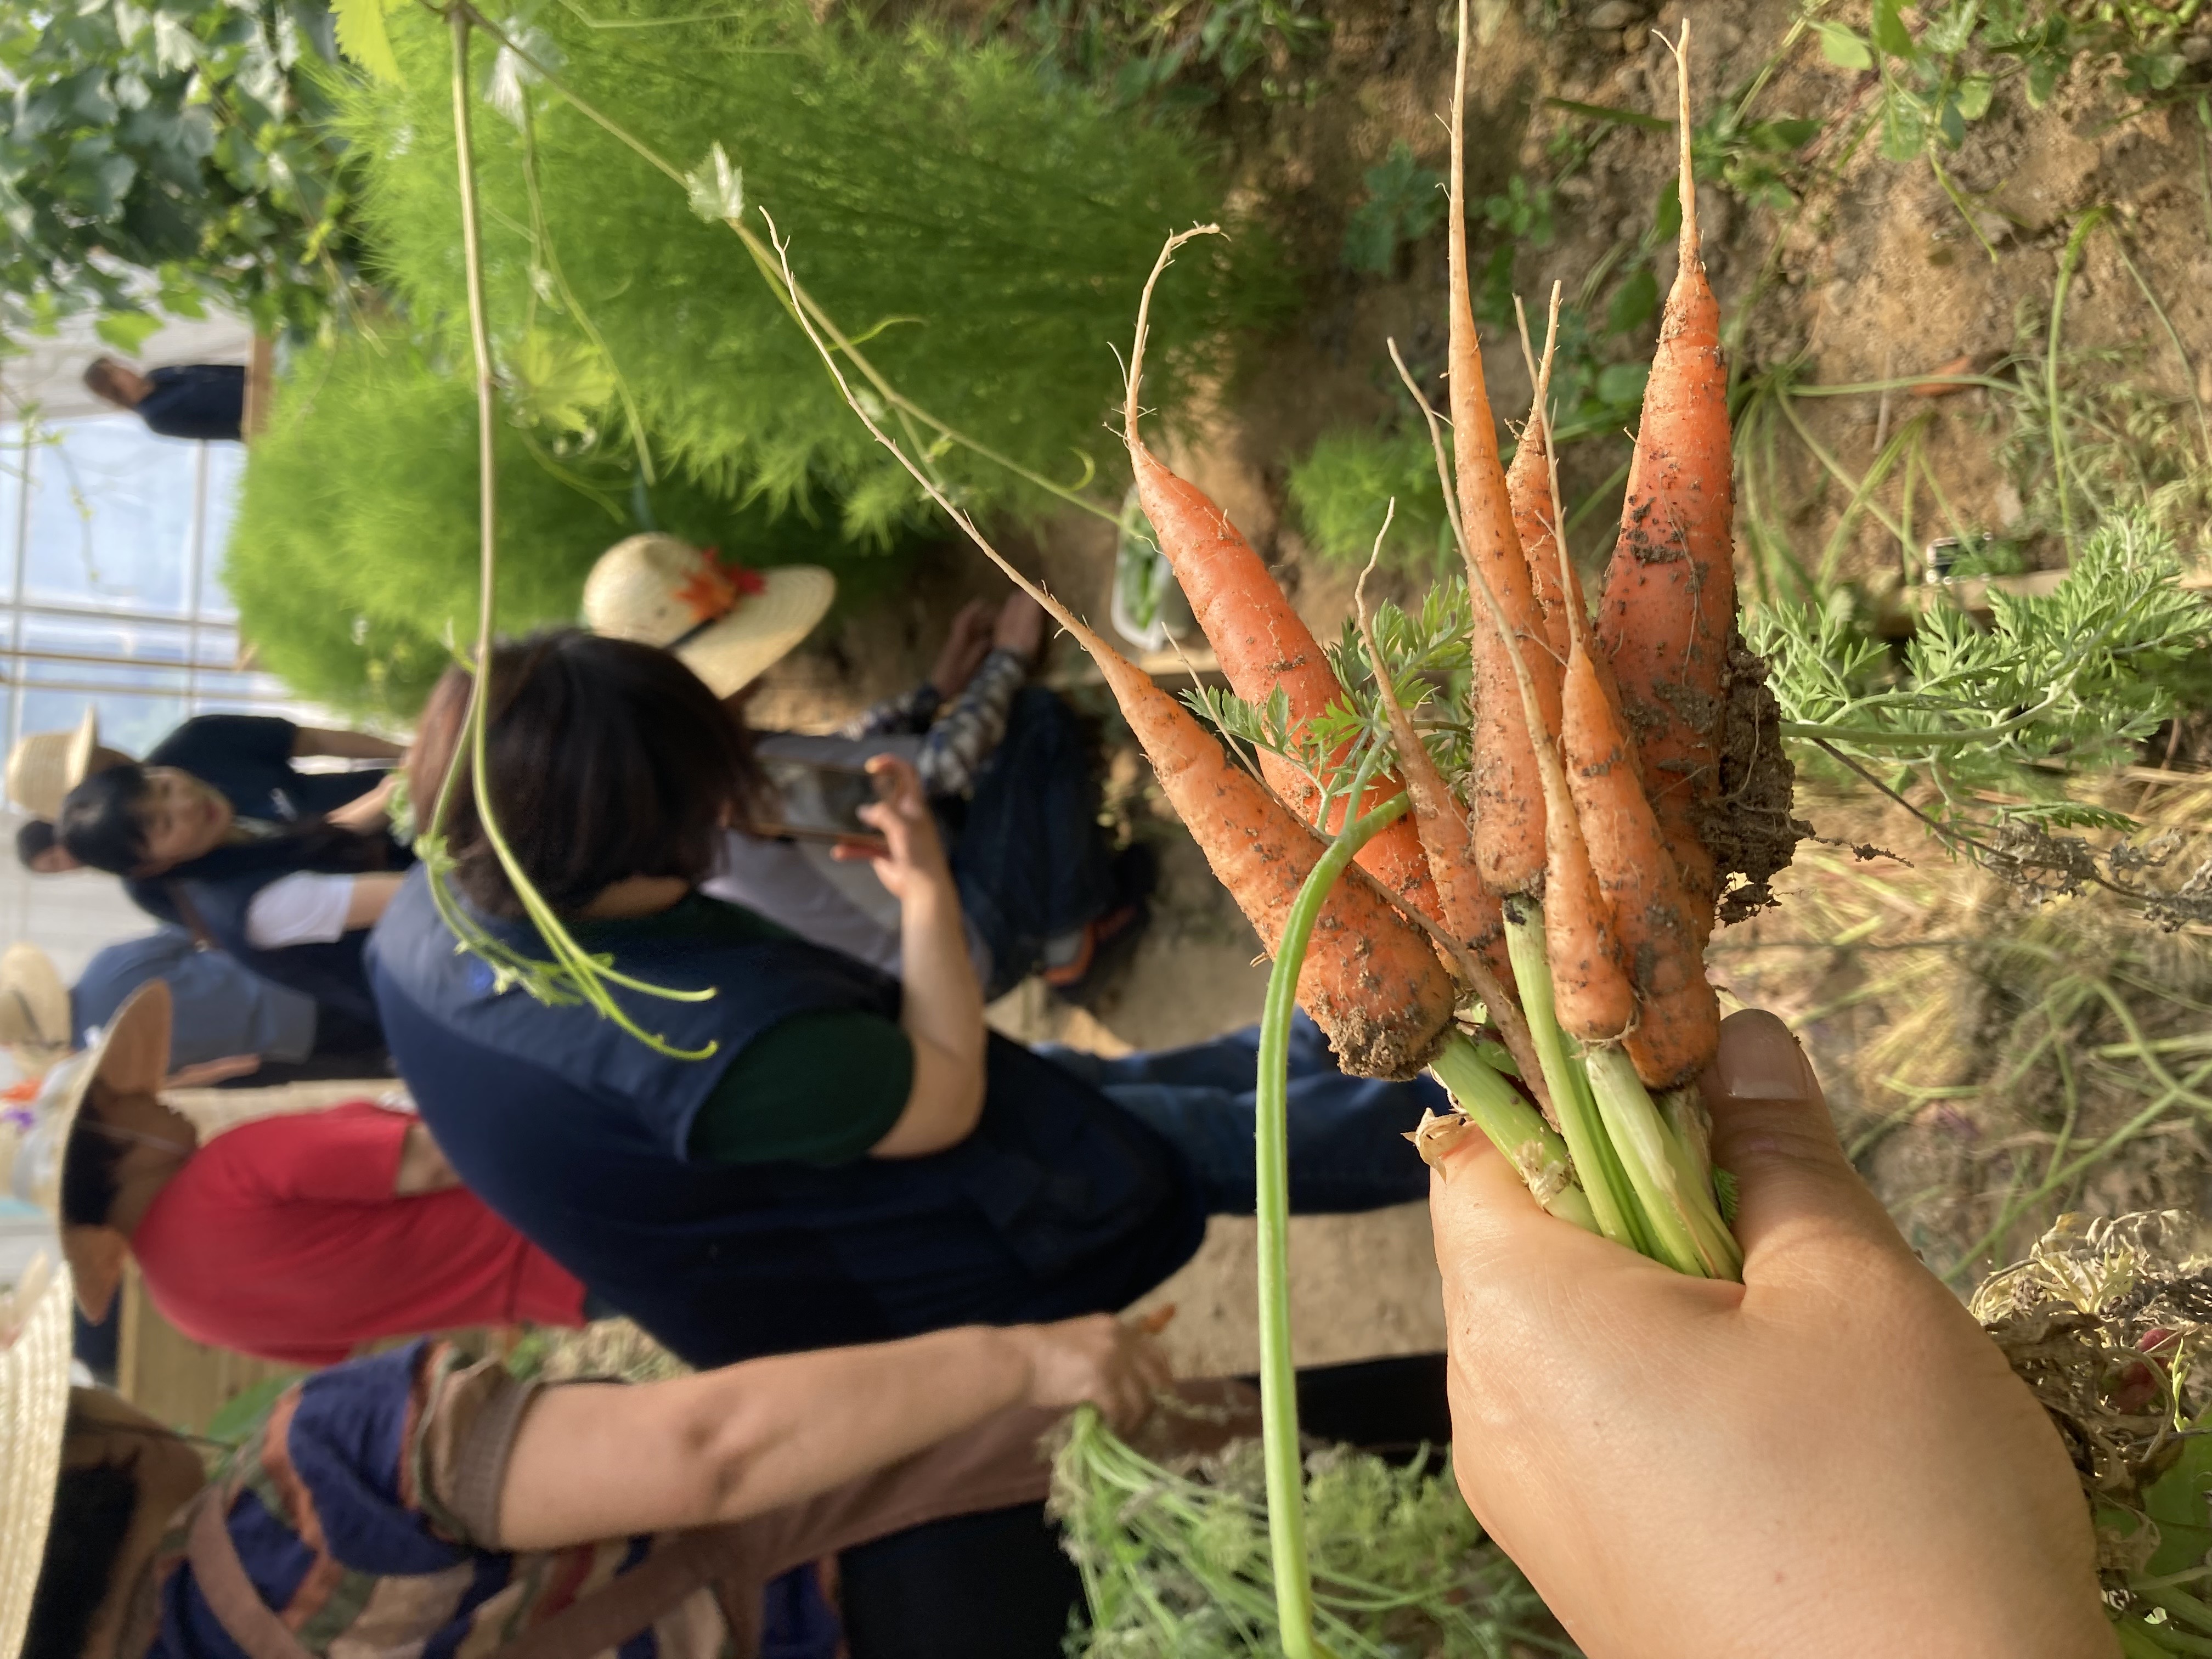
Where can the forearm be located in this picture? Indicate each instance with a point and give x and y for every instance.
(941, 1011)
(345, 745)
(594, 1461)
(965, 735)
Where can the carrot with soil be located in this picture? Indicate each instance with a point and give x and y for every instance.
(1667, 614)
(1259, 639)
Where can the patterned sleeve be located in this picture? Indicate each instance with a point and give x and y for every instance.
(964, 735)
(901, 716)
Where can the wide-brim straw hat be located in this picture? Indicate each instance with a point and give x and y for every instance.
(34, 1395)
(131, 1056)
(35, 1007)
(44, 767)
(34, 1312)
(729, 624)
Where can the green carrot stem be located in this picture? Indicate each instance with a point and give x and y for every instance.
(1688, 1228)
(1278, 1408)
(1530, 1144)
(1611, 1199)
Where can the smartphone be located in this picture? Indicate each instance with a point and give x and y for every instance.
(815, 800)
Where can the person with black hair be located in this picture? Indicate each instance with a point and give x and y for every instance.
(219, 832)
(39, 850)
(203, 401)
(809, 1152)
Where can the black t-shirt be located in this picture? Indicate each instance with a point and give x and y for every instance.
(249, 758)
(195, 400)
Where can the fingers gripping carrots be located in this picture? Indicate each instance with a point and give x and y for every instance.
(1668, 605)
(1261, 642)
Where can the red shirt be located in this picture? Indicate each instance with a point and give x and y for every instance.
(283, 1238)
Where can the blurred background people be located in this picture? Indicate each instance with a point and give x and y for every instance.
(191, 400)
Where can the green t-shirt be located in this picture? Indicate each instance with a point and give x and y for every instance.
(819, 1088)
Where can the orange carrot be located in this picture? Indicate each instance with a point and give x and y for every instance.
(1680, 1019)
(1590, 984)
(1371, 980)
(1528, 483)
(1506, 789)
(1669, 607)
(1260, 641)
(1468, 911)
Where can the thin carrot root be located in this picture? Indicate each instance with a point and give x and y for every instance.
(1259, 640)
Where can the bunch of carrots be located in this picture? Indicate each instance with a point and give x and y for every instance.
(1570, 876)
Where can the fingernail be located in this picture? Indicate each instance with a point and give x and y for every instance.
(1760, 1060)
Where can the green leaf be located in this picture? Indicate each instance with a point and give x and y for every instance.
(1633, 302)
(1975, 93)
(126, 331)
(1621, 385)
(1845, 48)
(1889, 31)
(363, 37)
(717, 188)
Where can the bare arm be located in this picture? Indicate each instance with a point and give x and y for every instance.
(595, 1461)
(344, 745)
(423, 1166)
(371, 894)
(942, 1010)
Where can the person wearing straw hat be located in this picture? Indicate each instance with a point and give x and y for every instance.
(1004, 763)
(219, 832)
(420, 1501)
(297, 1235)
(45, 766)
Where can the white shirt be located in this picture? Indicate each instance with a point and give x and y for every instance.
(836, 903)
(304, 908)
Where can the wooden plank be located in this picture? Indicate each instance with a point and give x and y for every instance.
(172, 1378)
(260, 384)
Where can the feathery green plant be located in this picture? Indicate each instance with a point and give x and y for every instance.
(982, 236)
(352, 558)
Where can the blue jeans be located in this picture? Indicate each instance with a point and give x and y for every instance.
(1346, 1153)
(1028, 853)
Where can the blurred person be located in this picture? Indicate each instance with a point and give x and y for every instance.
(258, 1030)
(298, 1236)
(192, 400)
(37, 850)
(1008, 775)
(814, 1153)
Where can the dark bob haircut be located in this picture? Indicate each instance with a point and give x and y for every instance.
(91, 1514)
(99, 822)
(608, 759)
(34, 840)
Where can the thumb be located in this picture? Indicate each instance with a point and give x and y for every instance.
(1772, 1131)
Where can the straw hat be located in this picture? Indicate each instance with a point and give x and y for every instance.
(42, 767)
(132, 1057)
(34, 1312)
(726, 623)
(34, 1393)
(35, 1007)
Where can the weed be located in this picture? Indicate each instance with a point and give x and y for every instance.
(1404, 202)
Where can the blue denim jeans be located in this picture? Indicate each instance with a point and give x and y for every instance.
(1028, 853)
(1346, 1149)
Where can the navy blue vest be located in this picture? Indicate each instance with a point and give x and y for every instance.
(1061, 1203)
(331, 973)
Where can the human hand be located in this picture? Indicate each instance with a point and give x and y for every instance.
(368, 812)
(965, 646)
(1096, 1360)
(1020, 627)
(1830, 1458)
(911, 861)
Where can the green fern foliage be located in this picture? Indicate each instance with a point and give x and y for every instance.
(353, 558)
(1345, 483)
(983, 238)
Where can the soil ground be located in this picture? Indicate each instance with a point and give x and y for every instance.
(1880, 274)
